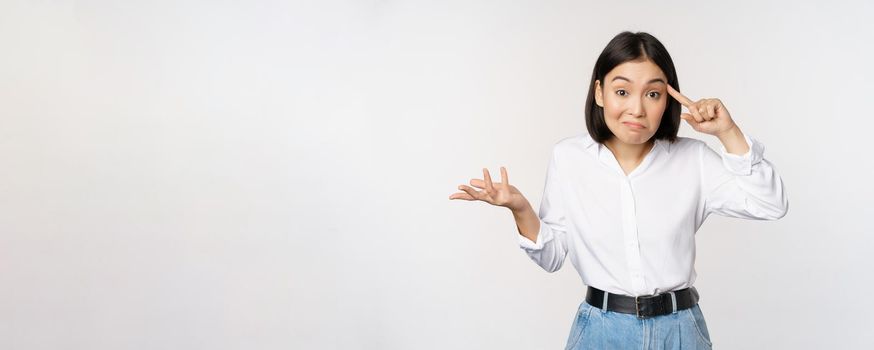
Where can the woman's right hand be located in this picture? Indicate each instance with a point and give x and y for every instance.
(499, 193)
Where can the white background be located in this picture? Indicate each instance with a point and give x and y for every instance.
(274, 175)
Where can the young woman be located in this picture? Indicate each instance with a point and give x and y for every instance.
(624, 200)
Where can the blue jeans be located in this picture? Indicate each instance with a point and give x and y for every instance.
(594, 328)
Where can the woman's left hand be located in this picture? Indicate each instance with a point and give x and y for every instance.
(707, 115)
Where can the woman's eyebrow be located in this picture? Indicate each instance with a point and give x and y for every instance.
(656, 80)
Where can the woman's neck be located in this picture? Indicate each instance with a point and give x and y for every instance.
(625, 152)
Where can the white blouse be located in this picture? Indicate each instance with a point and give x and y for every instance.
(635, 234)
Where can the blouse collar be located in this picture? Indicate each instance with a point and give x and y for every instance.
(590, 143)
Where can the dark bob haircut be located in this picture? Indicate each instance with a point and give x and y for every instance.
(625, 47)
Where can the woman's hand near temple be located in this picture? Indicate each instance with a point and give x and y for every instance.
(709, 116)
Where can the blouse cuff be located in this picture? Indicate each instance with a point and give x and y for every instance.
(743, 164)
(543, 236)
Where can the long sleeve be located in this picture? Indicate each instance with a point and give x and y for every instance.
(744, 186)
(550, 249)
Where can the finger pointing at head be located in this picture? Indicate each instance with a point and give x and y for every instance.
(685, 101)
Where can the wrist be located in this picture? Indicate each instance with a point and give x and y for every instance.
(730, 133)
(520, 209)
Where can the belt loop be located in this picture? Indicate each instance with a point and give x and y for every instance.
(673, 302)
(604, 307)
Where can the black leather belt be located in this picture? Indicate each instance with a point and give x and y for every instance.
(646, 305)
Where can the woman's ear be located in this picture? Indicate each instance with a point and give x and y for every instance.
(599, 94)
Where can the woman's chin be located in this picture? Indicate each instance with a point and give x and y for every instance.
(634, 138)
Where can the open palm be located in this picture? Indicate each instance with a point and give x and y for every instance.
(495, 193)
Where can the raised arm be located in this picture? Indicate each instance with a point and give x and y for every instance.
(543, 236)
(738, 181)
(743, 186)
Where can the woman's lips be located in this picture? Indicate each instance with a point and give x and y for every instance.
(633, 125)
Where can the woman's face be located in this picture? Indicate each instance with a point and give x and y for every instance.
(634, 97)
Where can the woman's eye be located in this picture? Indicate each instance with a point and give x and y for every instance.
(620, 92)
(655, 94)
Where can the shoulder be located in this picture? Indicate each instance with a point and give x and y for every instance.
(686, 144)
(573, 146)
(578, 141)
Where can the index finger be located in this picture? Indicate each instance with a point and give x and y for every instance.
(685, 101)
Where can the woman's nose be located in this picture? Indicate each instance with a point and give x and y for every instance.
(635, 107)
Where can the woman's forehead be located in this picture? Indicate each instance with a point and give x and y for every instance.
(636, 72)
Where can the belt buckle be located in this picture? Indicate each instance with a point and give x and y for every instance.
(637, 305)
